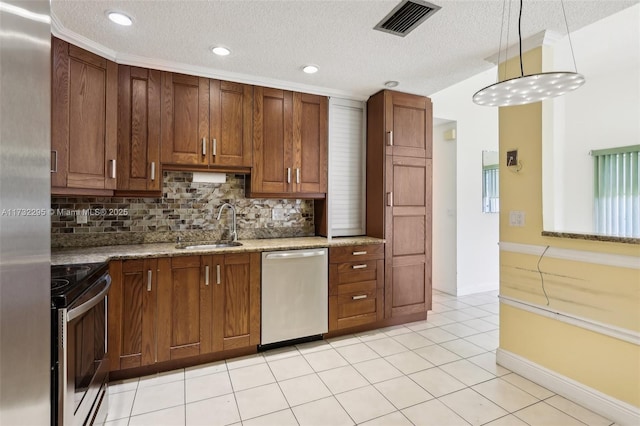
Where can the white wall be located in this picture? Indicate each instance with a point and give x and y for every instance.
(603, 113)
(477, 233)
(444, 255)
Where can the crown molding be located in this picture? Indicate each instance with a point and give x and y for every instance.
(58, 30)
(543, 38)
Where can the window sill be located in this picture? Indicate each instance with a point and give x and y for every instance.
(592, 237)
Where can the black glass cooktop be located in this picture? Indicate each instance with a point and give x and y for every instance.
(68, 282)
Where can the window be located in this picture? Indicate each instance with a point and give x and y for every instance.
(616, 196)
(490, 189)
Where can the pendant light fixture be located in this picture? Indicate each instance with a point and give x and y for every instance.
(530, 88)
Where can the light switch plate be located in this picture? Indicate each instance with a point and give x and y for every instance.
(516, 218)
(512, 158)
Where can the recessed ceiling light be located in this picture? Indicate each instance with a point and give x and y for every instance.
(310, 69)
(221, 51)
(391, 84)
(120, 18)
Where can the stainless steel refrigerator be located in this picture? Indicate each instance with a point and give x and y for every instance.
(25, 199)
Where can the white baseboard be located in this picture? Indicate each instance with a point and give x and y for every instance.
(620, 412)
(479, 288)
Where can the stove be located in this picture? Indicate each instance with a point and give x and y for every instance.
(69, 282)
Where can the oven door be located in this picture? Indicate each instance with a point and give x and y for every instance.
(83, 370)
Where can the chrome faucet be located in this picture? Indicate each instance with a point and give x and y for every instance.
(234, 232)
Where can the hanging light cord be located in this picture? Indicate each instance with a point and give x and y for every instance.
(566, 24)
(520, 38)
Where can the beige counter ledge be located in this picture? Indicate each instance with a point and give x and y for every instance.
(141, 251)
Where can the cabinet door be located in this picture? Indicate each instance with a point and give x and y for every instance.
(138, 129)
(231, 122)
(408, 234)
(272, 141)
(84, 119)
(408, 124)
(310, 135)
(132, 313)
(184, 308)
(185, 119)
(236, 300)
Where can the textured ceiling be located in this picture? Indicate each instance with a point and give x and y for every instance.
(273, 39)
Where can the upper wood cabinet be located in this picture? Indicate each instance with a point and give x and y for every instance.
(83, 121)
(408, 124)
(138, 129)
(290, 144)
(205, 122)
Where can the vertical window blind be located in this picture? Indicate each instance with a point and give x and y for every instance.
(346, 167)
(490, 189)
(616, 191)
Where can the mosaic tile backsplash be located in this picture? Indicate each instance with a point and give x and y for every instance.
(187, 209)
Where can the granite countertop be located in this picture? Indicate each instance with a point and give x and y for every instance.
(141, 251)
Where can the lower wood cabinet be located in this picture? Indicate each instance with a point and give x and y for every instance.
(171, 308)
(356, 285)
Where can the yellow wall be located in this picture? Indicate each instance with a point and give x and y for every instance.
(606, 294)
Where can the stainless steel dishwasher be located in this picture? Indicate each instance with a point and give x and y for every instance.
(294, 294)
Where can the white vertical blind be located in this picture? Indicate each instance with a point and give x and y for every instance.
(346, 168)
(490, 189)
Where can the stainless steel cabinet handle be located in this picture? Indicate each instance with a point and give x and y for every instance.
(214, 147)
(359, 266)
(390, 199)
(297, 175)
(288, 174)
(54, 167)
(113, 169)
(217, 274)
(204, 146)
(153, 170)
(390, 138)
(362, 296)
(359, 253)
(206, 275)
(149, 277)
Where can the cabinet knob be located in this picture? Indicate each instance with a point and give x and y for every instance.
(390, 199)
(206, 275)
(113, 169)
(214, 147)
(359, 266)
(297, 176)
(149, 279)
(153, 170)
(390, 138)
(204, 146)
(54, 161)
(217, 274)
(362, 296)
(358, 253)
(288, 174)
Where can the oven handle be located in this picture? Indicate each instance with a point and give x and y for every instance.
(86, 306)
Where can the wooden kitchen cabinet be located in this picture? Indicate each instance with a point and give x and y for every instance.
(399, 192)
(138, 130)
(290, 144)
(84, 95)
(132, 313)
(205, 122)
(356, 286)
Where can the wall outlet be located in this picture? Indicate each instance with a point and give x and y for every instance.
(81, 217)
(516, 218)
(512, 158)
(279, 214)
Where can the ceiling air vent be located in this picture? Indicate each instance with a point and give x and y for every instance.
(406, 16)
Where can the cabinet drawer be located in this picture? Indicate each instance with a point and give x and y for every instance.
(357, 287)
(356, 253)
(360, 303)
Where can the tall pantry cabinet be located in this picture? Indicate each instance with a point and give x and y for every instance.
(399, 172)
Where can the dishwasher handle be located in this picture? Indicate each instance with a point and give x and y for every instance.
(295, 255)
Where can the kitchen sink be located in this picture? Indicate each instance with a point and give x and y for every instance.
(207, 244)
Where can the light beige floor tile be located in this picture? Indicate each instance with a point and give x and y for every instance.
(463, 348)
(158, 397)
(457, 316)
(323, 412)
(218, 411)
(325, 360)
(364, 404)
(161, 378)
(509, 420)
(577, 411)
(474, 312)
(377, 370)
(386, 346)
(459, 330)
(279, 418)
(438, 320)
(204, 387)
(289, 368)
(311, 347)
(473, 407)
(204, 369)
(486, 340)
(368, 336)
(343, 379)
(506, 395)
(168, 417)
(349, 339)
(395, 330)
(420, 325)
(437, 335)
(493, 319)
(119, 422)
(123, 385)
(480, 325)
(527, 386)
(408, 362)
(120, 405)
(357, 353)
(250, 377)
(245, 361)
(403, 392)
(542, 414)
(433, 413)
(437, 382)
(259, 401)
(487, 361)
(280, 353)
(394, 419)
(468, 373)
(493, 308)
(455, 304)
(436, 354)
(413, 340)
(304, 389)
